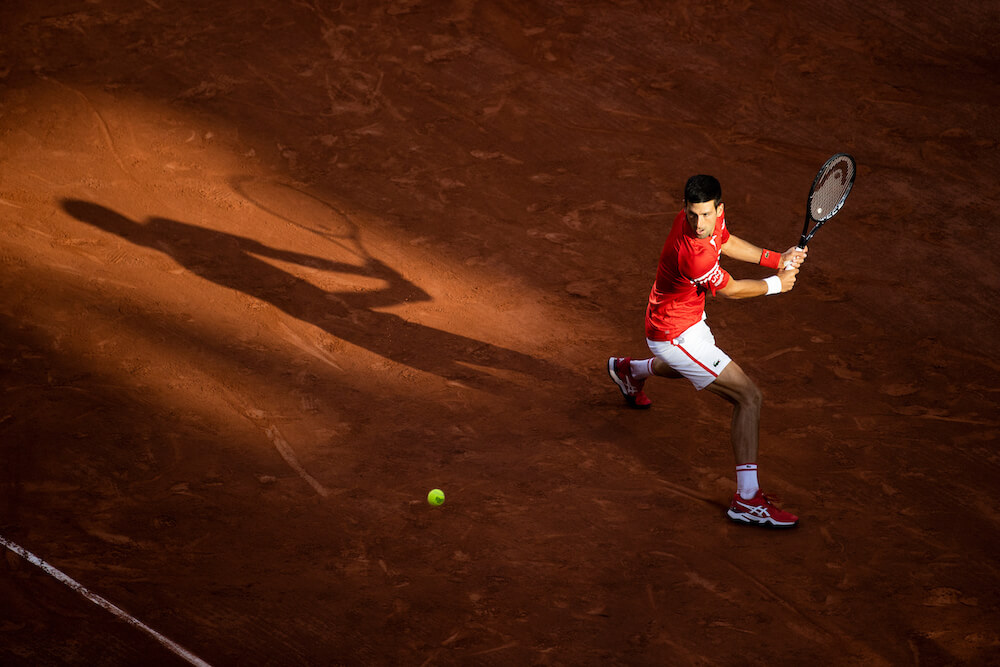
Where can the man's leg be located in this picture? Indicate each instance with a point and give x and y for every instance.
(749, 505)
(663, 369)
(736, 387)
(695, 355)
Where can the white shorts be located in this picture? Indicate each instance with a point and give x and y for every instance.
(693, 354)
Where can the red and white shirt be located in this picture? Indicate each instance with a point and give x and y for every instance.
(688, 269)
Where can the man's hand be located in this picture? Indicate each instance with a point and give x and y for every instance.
(787, 278)
(794, 257)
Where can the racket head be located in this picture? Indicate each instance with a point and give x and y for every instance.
(831, 186)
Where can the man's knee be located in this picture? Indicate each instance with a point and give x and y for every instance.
(751, 396)
(737, 386)
(747, 391)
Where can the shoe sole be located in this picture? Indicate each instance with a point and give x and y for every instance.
(769, 524)
(621, 387)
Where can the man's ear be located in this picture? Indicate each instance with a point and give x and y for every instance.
(720, 210)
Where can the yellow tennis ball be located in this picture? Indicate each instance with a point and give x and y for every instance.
(436, 497)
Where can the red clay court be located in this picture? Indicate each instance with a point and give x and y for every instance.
(273, 271)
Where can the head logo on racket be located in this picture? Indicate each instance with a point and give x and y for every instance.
(830, 189)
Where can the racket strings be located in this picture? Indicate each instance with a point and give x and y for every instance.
(832, 188)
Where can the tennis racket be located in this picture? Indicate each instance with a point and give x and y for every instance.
(827, 195)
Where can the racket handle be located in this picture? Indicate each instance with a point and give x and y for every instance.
(788, 264)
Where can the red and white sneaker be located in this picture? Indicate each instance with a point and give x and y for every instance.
(620, 370)
(760, 511)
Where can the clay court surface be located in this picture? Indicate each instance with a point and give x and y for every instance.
(271, 271)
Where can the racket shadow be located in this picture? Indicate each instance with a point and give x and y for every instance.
(232, 261)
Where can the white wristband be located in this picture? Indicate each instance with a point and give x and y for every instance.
(773, 284)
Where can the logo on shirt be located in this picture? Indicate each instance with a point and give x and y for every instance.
(713, 277)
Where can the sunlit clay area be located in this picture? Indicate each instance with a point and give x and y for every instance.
(323, 330)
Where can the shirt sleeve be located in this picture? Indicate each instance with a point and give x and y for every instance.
(703, 270)
(724, 233)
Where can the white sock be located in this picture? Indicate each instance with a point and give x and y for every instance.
(746, 480)
(642, 369)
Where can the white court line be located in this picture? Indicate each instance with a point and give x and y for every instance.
(101, 602)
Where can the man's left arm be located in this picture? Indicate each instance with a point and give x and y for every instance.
(744, 251)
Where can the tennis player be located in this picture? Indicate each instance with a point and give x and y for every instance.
(683, 345)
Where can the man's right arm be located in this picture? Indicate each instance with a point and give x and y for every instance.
(746, 288)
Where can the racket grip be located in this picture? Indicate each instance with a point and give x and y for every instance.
(788, 264)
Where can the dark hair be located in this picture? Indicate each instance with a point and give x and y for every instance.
(702, 188)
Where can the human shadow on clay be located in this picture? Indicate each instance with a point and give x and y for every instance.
(232, 261)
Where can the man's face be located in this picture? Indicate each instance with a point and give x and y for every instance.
(701, 217)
